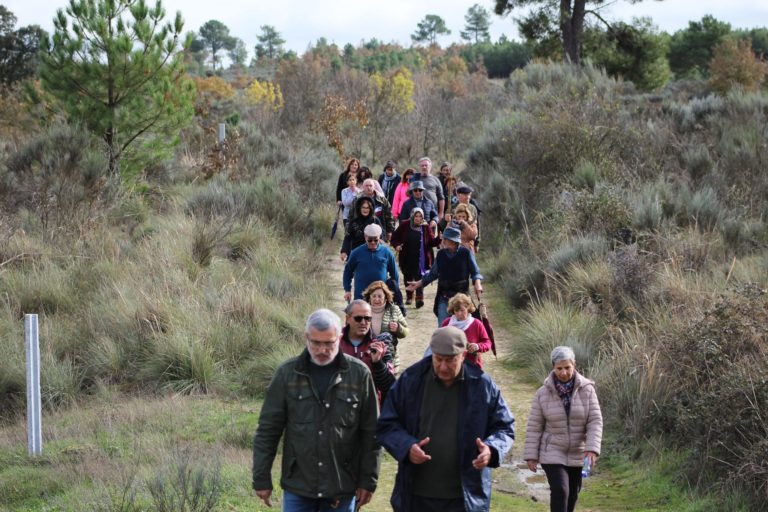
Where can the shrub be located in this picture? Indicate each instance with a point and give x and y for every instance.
(719, 398)
(185, 484)
(182, 364)
(578, 250)
(59, 175)
(548, 324)
(602, 213)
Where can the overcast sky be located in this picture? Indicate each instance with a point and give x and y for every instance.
(302, 22)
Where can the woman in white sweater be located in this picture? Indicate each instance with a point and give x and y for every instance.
(565, 426)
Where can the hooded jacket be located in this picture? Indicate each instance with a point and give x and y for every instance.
(552, 437)
(482, 413)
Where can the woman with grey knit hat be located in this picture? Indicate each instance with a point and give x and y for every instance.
(565, 429)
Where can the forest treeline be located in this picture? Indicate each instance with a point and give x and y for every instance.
(628, 223)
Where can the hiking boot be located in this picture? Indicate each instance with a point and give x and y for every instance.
(419, 303)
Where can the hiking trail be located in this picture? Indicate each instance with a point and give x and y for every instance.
(512, 477)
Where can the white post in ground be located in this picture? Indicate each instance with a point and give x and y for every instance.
(222, 132)
(34, 416)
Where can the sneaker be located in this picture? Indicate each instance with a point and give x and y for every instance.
(419, 303)
(408, 301)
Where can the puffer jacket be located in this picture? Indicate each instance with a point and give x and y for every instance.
(482, 413)
(552, 437)
(329, 447)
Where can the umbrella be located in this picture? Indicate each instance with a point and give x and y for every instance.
(481, 313)
(336, 222)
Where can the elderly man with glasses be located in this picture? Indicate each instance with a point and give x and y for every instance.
(377, 353)
(368, 263)
(323, 404)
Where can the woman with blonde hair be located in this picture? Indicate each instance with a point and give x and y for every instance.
(565, 429)
(461, 308)
(387, 317)
(463, 220)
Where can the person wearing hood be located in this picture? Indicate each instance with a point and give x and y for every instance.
(381, 206)
(565, 427)
(389, 180)
(355, 231)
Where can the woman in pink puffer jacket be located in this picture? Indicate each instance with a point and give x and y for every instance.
(565, 426)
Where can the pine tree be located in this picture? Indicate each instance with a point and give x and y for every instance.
(478, 21)
(429, 28)
(115, 67)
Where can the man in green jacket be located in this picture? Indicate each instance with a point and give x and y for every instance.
(324, 404)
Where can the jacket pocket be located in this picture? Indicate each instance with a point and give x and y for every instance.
(301, 405)
(348, 408)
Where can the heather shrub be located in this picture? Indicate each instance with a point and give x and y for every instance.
(602, 212)
(719, 401)
(61, 176)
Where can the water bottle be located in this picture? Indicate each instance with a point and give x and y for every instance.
(586, 469)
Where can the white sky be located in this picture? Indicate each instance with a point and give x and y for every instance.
(302, 22)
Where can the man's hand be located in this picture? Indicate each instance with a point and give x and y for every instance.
(592, 458)
(478, 288)
(343, 257)
(362, 497)
(347, 296)
(416, 454)
(378, 349)
(264, 495)
(413, 285)
(532, 464)
(484, 457)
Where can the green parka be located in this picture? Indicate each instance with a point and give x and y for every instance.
(330, 448)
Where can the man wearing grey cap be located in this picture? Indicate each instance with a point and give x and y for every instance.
(435, 402)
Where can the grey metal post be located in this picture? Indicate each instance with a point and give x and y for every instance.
(222, 132)
(34, 428)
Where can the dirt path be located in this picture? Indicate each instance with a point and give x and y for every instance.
(513, 478)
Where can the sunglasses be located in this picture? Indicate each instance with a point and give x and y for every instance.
(360, 318)
(371, 239)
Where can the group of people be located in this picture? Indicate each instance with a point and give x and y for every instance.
(414, 213)
(443, 419)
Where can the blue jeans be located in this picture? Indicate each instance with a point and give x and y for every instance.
(295, 503)
(442, 310)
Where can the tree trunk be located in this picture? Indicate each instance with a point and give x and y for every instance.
(572, 26)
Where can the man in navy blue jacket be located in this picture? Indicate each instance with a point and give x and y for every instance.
(435, 402)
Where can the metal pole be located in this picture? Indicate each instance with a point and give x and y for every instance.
(34, 429)
(222, 132)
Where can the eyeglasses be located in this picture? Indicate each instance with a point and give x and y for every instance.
(360, 318)
(371, 239)
(322, 344)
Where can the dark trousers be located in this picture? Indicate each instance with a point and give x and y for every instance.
(424, 504)
(564, 486)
